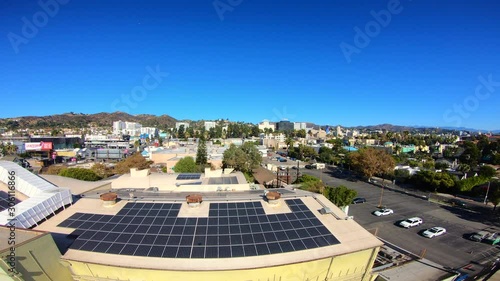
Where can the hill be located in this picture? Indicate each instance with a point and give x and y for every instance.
(80, 120)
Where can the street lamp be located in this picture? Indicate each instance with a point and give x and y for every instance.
(488, 190)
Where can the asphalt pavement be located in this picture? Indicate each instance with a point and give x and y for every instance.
(453, 250)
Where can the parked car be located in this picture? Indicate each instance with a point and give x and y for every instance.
(479, 235)
(411, 222)
(492, 238)
(434, 232)
(458, 203)
(358, 200)
(383, 212)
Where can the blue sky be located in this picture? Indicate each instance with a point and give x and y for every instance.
(431, 63)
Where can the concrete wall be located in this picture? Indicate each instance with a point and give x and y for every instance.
(353, 266)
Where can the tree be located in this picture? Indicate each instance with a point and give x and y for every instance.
(370, 162)
(301, 133)
(341, 196)
(433, 181)
(79, 174)
(494, 194)
(181, 132)
(201, 153)
(471, 154)
(310, 183)
(289, 142)
(186, 165)
(101, 170)
(244, 158)
(487, 171)
(135, 161)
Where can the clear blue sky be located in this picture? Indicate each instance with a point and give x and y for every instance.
(258, 59)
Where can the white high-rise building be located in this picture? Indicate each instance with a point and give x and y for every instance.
(118, 126)
(299, 125)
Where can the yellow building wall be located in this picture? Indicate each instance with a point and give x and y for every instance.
(350, 267)
(70, 153)
(37, 259)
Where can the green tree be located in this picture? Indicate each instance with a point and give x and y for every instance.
(201, 153)
(487, 171)
(186, 165)
(470, 155)
(181, 132)
(301, 133)
(310, 183)
(441, 165)
(253, 156)
(433, 181)
(341, 196)
(494, 194)
(289, 142)
(79, 174)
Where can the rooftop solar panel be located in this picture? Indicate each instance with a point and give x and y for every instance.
(231, 230)
(188, 176)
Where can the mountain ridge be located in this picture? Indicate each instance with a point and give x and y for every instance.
(164, 121)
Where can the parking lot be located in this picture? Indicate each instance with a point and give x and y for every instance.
(453, 249)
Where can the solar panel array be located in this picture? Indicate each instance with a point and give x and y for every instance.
(223, 180)
(188, 176)
(230, 230)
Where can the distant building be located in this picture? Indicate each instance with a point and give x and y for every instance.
(179, 124)
(150, 131)
(209, 125)
(284, 125)
(265, 124)
(299, 125)
(126, 128)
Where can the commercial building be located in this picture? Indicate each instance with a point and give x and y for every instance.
(211, 226)
(284, 126)
(126, 128)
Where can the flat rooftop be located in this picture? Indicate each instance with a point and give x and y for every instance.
(228, 230)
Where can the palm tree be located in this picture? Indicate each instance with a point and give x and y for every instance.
(289, 142)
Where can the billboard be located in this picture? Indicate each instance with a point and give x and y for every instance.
(38, 146)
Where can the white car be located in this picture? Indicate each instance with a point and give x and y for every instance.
(434, 232)
(411, 222)
(383, 212)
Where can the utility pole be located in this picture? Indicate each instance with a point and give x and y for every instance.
(277, 176)
(287, 176)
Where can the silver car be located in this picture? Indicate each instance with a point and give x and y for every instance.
(434, 232)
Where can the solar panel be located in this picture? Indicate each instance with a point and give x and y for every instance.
(188, 176)
(239, 229)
